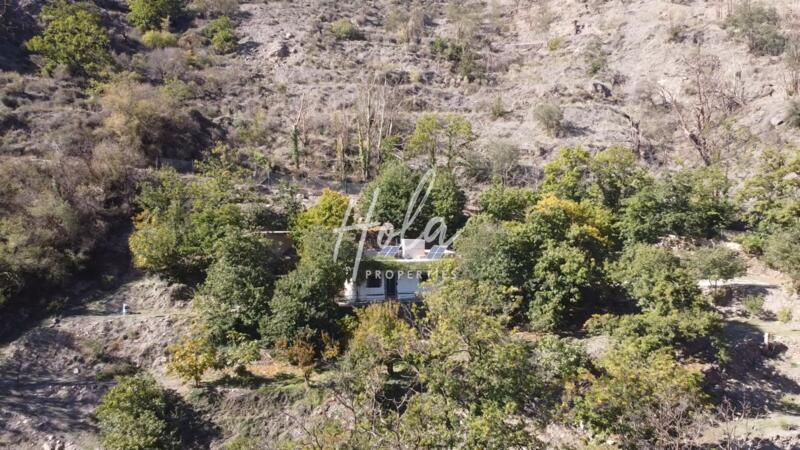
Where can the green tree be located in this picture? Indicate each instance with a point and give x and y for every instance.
(137, 414)
(717, 264)
(615, 176)
(561, 276)
(150, 14)
(645, 399)
(328, 212)
(235, 295)
(458, 135)
(382, 337)
(506, 203)
(447, 200)
(181, 222)
(771, 196)
(655, 278)
(303, 305)
(74, 37)
(782, 252)
(569, 175)
(425, 139)
(690, 202)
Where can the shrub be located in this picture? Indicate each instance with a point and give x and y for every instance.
(151, 14)
(754, 305)
(596, 58)
(222, 34)
(190, 358)
(498, 108)
(137, 414)
(551, 117)
(147, 121)
(793, 114)
(554, 43)
(504, 160)
(752, 243)
(74, 37)
(346, 30)
(465, 62)
(159, 39)
(785, 314)
(759, 25)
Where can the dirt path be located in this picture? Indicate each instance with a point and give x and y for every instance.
(54, 375)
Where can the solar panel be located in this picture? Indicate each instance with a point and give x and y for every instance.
(436, 252)
(389, 251)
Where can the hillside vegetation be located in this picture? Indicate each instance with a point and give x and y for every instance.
(623, 176)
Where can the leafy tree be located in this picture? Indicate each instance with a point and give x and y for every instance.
(73, 36)
(181, 221)
(191, 357)
(150, 14)
(447, 200)
(561, 277)
(138, 414)
(382, 337)
(759, 25)
(569, 175)
(328, 212)
(506, 203)
(686, 203)
(425, 138)
(717, 264)
(492, 252)
(654, 330)
(458, 135)
(235, 295)
(303, 306)
(616, 176)
(655, 278)
(771, 197)
(782, 252)
(397, 184)
(645, 399)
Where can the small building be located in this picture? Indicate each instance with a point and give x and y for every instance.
(393, 273)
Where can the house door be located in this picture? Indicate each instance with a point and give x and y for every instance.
(391, 288)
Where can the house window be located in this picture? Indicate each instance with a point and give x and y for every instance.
(373, 281)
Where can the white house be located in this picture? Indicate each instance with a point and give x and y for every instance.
(393, 273)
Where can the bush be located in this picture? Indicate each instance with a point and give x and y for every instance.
(554, 43)
(752, 243)
(785, 314)
(465, 62)
(151, 14)
(793, 114)
(328, 212)
(137, 414)
(74, 37)
(551, 117)
(759, 25)
(159, 39)
(147, 121)
(346, 30)
(222, 34)
(754, 305)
